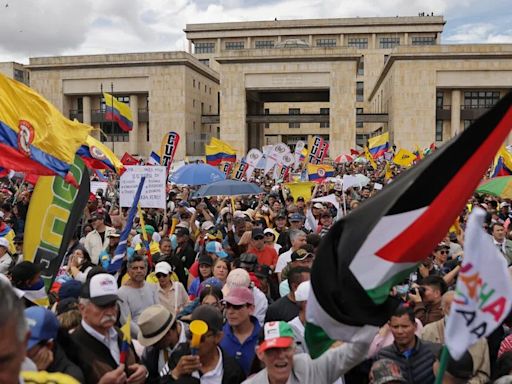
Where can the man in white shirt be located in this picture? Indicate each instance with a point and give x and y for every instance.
(298, 239)
(98, 239)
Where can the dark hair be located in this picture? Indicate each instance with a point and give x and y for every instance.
(313, 239)
(496, 224)
(210, 290)
(294, 275)
(462, 368)
(503, 365)
(309, 248)
(24, 271)
(435, 281)
(404, 310)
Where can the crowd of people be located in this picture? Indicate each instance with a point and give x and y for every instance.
(240, 265)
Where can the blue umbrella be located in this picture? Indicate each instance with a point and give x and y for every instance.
(197, 174)
(229, 188)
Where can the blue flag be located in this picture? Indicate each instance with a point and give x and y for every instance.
(117, 260)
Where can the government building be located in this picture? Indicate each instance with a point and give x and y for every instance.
(264, 82)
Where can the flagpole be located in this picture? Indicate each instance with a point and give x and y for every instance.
(112, 115)
(103, 95)
(442, 365)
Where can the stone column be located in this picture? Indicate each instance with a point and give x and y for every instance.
(374, 41)
(342, 40)
(86, 103)
(310, 40)
(189, 46)
(406, 38)
(218, 48)
(455, 116)
(134, 133)
(248, 46)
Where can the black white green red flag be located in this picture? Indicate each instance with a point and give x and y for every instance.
(381, 243)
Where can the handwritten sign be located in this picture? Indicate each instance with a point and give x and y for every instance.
(153, 193)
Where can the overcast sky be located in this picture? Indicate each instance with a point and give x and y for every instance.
(31, 28)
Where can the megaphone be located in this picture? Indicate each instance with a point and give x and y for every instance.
(197, 328)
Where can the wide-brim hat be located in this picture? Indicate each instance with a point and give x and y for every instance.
(154, 322)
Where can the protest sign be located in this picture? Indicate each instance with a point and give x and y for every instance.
(153, 193)
(95, 185)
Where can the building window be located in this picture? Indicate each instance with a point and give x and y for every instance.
(359, 124)
(326, 43)
(205, 88)
(439, 130)
(205, 62)
(294, 111)
(362, 139)
(19, 75)
(358, 42)
(80, 104)
(122, 99)
(193, 83)
(204, 47)
(389, 42)
(324, 111)
(234, 45)
(263, 44)
(480, 99)
(359, 91)
(360, 67)
(147, 131)
(423, 40)
(439, 99)
(267, 112)
(112, 132)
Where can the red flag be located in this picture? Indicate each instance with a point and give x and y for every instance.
(128, 159)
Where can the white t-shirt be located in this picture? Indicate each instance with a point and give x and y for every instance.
(283, 260)
(215, 375)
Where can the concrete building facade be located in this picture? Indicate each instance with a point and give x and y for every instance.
(257, 83)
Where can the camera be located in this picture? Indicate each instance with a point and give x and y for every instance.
(421, 290)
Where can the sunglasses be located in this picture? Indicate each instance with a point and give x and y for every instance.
(443, 252)
(235, 307)
(258, 238)
(269, 234)
(160, 275)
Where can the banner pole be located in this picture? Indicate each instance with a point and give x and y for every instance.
(442, 365)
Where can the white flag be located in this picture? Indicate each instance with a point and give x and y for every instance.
(484, 290)
(298, 150)
(252, 159)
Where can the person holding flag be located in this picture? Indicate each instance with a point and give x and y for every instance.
(97, 343)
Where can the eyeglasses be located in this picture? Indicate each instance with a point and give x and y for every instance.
(235, 307)
(258, 238)
(160, 275)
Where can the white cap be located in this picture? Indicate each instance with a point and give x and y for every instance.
(269, 230)
(4, 242)
(302, 292)
(163, 267)
(207, 225)
(102, 289)
(191, 210)
(318, 205)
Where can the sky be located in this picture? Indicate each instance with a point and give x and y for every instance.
(33, 28)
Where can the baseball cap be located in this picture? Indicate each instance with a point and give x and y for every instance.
(163, 267)
(210, 315)
(262, 271)
(281, 215)
(302, 292)
(296, 217)
(216, 247)
(205, 260)
(184, 203)
(248, 258)
(43, 325)
(300, 198)
(207, 225)
(386, 371)
(101, 289)
(211, 282)
(149, 230)
(117, 233)
(70, 288)
(257, 232)
(442, 245)
(239, 296)
(154, 322)
(277, 334)
(269, 230)
(4, 242)
(300, 254)
(318, 206)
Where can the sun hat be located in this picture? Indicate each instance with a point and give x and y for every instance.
(154, 322)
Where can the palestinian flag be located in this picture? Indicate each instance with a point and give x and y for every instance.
(378, 245)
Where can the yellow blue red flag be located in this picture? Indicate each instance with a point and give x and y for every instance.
(127, 339)
(96, 155)
(118, 111)
(219, 151)
(34, 136)
(378, 145)
(502, 165)
(319, 172)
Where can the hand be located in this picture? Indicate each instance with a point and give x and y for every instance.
(117, 376)
(139, 373)
(43, 358)
(415, 297)
(424, 271)
(186, 366)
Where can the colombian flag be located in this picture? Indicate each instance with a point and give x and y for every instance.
(502, 163)
(119, 112)
(318, 172)
(34, 136)
(219, 151)
(127, 339)
(98, 156)
(378, 145)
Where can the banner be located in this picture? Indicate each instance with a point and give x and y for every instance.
(252, 159)
(239, 170)
(319, 149)
(283, 168)
(95, 185)
(53, 215)
(297, 153)
(168, 149)
(226, 167)
(128, 159)
(404, 158)
(275, 155)
(153, 195)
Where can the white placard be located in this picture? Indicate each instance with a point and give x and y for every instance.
(377, 186)
(153, 193)
(95, 185)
